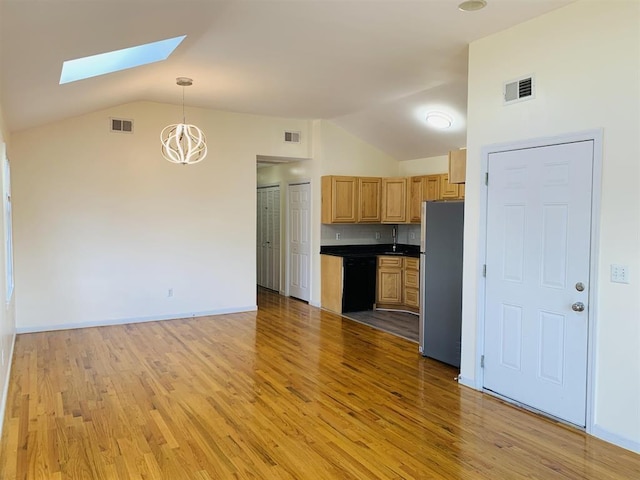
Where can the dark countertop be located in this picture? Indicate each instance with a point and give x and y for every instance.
(370, 250)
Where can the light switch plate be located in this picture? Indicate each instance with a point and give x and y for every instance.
(619, 273)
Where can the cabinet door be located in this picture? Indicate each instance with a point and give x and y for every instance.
(457, 166)
(339, 199)
(412, 298)
(418, 188)
(432, 188)
(448, 191)
(411, 283)
(461, 191)
(369, 189)
(394, 200)
(390, 286)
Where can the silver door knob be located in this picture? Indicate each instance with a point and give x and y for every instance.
(578, 307)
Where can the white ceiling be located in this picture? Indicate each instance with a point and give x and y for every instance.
(371, 66)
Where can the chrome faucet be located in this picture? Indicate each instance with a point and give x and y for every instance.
(394, 234)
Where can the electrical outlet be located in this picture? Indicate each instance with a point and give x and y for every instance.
(620, 273)
(377, 235)
(412, 235)
(338, 236)
(170, 292)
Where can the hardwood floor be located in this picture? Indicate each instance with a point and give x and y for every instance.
(402, 324)
(288, 392)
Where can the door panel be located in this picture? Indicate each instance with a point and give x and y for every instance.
(299, 240)
(268, 238)
(538, 248)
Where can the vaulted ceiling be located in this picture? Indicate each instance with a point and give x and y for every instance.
(374, 67)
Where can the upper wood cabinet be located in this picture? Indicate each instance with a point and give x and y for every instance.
(417, 195)
(369, 190)
(394, 200)
(423, 188)
(448, 191)
(432, 187)
(457, 166)
(339, 199)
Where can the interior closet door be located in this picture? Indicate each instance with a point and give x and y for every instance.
(268, 238)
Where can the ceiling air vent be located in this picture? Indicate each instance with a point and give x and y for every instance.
(519, 90)
(292, 137)
(122, 125)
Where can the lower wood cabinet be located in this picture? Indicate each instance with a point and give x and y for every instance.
(398, 286)
(411, 283)
(389, 281)
(331, 283)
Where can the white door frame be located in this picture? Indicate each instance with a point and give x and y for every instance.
(596, 136)
(287, 263)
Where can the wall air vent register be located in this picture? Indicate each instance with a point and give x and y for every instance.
(292, 137)
(121, 125)
(519, 90)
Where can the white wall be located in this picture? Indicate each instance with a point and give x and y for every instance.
(586, 61)
(104, 226)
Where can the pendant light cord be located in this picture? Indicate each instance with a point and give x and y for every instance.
(183, 117)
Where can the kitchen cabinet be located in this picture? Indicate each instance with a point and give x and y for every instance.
(423, 188)
(331, 280)
(458, 166)
(394, 200)
(411, 292)
(339, 199)
(390, 281)
(398, 283)
(369, 190)
(448, 191)
(432, 187)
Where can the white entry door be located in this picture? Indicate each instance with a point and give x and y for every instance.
(538, 257)
(299, 240)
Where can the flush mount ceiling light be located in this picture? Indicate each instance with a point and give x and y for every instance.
(472, 5)
(439, 120)
(183, 143)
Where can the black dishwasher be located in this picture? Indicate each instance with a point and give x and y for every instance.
(359, 288)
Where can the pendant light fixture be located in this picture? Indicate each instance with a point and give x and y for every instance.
(183, 143)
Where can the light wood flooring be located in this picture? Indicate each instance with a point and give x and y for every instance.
(402, 324)
(288, 392)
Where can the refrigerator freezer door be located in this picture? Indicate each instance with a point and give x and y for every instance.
(441, 282)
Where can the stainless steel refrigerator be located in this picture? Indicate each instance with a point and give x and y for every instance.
(441, 280)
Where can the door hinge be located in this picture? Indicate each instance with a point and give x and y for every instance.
(481, 361)
(484, 270)
(486, 178)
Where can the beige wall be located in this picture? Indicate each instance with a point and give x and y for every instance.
(586, 61)
(424, 166)
(104, 226)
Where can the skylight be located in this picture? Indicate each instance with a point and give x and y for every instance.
(87, 67)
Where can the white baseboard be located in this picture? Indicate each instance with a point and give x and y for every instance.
(5, 387)
(607, 436)
(123, 321)
(315, 304)
(468, 382)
